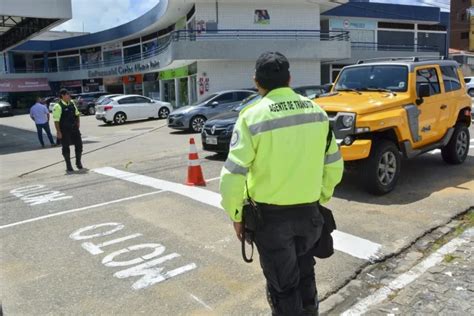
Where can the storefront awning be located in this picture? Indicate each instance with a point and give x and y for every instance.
(24, 85)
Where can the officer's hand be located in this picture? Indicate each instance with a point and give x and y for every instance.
(59, 135)
(239, 230)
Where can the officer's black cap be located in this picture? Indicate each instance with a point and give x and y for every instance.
(272, 63)
(63, 92)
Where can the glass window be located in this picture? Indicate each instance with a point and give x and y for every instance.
(450, 78)
(113, 56)
(467, 80)
(131, 53)
(430, 77)
(393, 78)
(149, 49)
(68, 63)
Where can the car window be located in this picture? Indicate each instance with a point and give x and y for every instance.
(242, 95)
(128, 100)
(450, 78)
(142, 100)
(225, 98)
(467, 80)
(429, 76)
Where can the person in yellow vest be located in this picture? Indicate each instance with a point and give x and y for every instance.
(280, 152)
(66, 118)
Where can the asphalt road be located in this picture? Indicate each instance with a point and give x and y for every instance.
(125, 237)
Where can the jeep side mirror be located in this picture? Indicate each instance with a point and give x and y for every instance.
(423, 92)
(328, 87)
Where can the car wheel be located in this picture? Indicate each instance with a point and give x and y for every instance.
(91, 110)
(120, 118)
(197, 123)
(471, 93)
(455, 152)
(382, 169)
(163, 112)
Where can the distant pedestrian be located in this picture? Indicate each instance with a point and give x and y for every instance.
(40, 115)
(67, 122)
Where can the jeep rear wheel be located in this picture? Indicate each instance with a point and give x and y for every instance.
(382, 169)
(455, 152)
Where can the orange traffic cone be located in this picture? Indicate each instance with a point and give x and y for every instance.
(195, 176)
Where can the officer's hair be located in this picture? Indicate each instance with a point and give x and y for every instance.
(63, 92)
(273, 81)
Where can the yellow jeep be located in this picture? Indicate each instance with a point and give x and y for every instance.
(383, 109)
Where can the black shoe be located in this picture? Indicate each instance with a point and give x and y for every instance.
(79, 165)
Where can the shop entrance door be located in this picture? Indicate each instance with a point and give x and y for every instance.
(183, 92)
(169, 92)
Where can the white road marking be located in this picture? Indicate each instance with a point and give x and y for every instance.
(195, 193)
(213, 179)
(355, 246)
(148, 271)
(38, 194)
(78, 209)
(406, 278)
(197, 299)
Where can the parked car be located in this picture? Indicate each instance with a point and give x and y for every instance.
(469, 86)
(122, 108)
(86, 102)
(5, 108)
(311, 91)
(383, 110)
(193, 117)
(106, 96)
(217, 132)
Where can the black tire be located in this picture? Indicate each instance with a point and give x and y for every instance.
(163, 112)
(120, 118)
(380, 172)
(471, 93)
(197, 123)
(455, 152)
(91, 110)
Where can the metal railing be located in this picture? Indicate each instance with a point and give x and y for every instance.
(193, 35)
(393, 47)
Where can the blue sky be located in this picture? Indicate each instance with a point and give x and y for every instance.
(98, 15)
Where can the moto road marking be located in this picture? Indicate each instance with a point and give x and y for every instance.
(355, 246)
(38, 194)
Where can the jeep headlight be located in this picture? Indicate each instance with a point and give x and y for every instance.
(348, 121)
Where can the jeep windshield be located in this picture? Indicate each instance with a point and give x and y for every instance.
(382, 78)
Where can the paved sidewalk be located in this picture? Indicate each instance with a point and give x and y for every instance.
(444, 289)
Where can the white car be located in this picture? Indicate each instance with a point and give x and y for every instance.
(120, 109)
(469, 86)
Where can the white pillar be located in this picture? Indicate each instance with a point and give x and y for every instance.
(162, 90)
(177, 88)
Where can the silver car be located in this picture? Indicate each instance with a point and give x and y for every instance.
(194, 116)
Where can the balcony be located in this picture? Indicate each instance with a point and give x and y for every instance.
(217, 45)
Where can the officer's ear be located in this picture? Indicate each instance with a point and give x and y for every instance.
(261, 90)
(289, 81)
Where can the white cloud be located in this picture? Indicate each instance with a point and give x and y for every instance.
(99, 15)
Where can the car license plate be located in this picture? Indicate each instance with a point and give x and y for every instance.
(211, 140)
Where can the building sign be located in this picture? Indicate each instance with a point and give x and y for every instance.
(71, 83)
(174, 73)
(92, 85)
(24, 85)
(125, 69)
(261, 17)
(352, 24)
(135, 79)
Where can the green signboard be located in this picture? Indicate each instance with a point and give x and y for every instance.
(174, 73)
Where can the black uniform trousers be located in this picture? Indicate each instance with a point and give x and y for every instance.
(283, 243)
(71, 136)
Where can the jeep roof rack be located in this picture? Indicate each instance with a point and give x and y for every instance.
(410, 59)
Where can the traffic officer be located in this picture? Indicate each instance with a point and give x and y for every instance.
(66, 118)
(278, 151)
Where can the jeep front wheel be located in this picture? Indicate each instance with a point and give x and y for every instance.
(455, 152)
(382, 169)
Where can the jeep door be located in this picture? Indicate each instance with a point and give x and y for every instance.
(428, 120)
